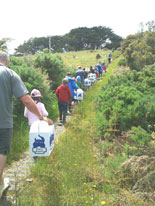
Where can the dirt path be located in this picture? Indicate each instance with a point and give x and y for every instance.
(19, 170)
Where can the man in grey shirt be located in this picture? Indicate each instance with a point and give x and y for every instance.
(10, 84)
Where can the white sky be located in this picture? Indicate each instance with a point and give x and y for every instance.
(23, 19)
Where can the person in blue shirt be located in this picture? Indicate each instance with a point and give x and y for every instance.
(80, 73)
(109, 58)
(99, 69)
(102, 64)
(73, 86)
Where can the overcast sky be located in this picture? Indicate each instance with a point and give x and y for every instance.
(23, 19)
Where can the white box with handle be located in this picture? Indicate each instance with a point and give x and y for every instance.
(41, 139)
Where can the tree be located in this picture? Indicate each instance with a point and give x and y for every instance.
(76, 40)
(151, 25)
(3, 44)
(33, 45)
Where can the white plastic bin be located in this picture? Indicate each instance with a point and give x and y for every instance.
(79, 94)
(41, 139)
(92, 77)
(87, 83)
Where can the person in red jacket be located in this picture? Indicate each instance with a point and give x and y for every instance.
(63, 94)
(104, 67)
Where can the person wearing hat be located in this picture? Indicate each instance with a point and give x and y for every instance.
(63, 94)
(36, 96)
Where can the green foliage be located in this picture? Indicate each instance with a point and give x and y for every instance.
(98, 56)
(127, 100)
(33, 78)
(20, 141)
(3, 44)
(139, 50)
(122, 62)
(139, 136)
(51, 65)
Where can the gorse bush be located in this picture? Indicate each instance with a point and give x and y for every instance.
(139, 136)
(122, 62)
(52, 65)
(127, 100)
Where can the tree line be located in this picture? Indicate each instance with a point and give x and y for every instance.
(82, 38)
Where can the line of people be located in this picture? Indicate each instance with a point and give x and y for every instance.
(71, 90)
(12, 85)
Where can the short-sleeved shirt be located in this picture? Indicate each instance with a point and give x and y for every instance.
(10, 84)
(31, 116)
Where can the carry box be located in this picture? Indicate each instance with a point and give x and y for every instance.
(92, 77)
(41, 139)
(79, 94)
(87, 83)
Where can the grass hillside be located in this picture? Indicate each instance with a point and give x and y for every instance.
(85, 167)
(85, 58)
(82, 169)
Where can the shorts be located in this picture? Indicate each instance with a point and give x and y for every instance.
(5, 140)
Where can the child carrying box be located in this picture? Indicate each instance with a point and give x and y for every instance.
(32, 119)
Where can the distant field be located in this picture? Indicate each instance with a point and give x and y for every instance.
(84, 58)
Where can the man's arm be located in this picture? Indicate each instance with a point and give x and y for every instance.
(31, 106)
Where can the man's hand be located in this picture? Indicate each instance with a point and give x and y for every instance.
(49, 121)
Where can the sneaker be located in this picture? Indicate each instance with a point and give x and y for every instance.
(60, 123)
(4, 187)
(68, 113)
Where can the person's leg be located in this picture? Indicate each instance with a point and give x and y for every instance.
(5, 143)
(60, 111)
(65, 111)
(2, 166)
(69, 105)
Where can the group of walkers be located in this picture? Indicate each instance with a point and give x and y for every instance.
(12, 85)
(67, 92)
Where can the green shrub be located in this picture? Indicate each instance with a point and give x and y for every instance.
(139, 136)
(127, 100)
(34, 78)
(122, 62)
(52, 65)
(139, 50)
(98, 56)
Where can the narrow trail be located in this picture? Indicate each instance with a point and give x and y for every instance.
(19, 171)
